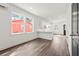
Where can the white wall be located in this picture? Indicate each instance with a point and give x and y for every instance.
(6, 38)
(69, 20)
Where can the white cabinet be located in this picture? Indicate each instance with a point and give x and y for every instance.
(45, 35)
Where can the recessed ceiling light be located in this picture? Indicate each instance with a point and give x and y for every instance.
(31, 8)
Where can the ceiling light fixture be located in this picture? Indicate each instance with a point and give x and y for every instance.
(31, 8)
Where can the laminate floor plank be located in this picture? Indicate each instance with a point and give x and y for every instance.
(41, 47)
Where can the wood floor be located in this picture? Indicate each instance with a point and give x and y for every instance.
(41, 47)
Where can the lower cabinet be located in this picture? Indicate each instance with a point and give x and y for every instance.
(75, 46)
(45, 35)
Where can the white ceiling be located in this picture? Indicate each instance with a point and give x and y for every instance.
(46, 10)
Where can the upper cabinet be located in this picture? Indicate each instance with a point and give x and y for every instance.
(75, 19)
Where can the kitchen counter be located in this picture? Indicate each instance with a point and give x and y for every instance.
(45, 35)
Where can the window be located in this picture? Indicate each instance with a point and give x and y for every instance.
(21, 24)
(28, 25)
